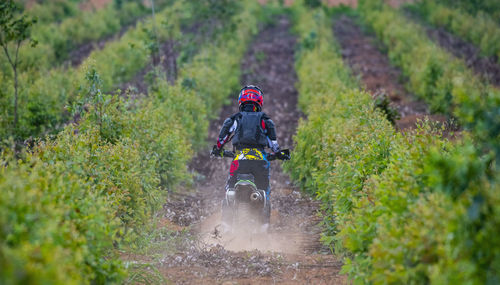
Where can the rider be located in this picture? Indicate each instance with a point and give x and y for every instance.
(250, 131)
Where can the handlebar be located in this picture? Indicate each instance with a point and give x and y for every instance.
(228, 153)
(281, 155)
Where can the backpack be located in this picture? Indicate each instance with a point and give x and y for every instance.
(249, 131)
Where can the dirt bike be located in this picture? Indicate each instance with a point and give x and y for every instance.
(247, 203)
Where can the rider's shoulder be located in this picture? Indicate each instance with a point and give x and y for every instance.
(235, 116)
(265, 116)
(238, 115)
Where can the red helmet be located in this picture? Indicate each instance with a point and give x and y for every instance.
(251, 93)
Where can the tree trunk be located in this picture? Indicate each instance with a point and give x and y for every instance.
(174, 62)
(15, 98)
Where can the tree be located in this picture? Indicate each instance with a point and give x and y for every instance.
(14, 29)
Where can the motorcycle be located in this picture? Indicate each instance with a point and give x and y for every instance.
(247, 204)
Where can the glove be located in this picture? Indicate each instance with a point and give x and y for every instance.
(275, 146)
(216, 151)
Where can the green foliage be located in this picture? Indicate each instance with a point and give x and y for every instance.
(98, 105)
(337, 151)
(477, 7)
(53, 11)
(215, 11)
(436, 76)
(480, 29)
(72, 200)
(58, 39)
(382, 102)
(312, 3)
(117, 63)
(432, 208)
(14, 29)
(409, 208)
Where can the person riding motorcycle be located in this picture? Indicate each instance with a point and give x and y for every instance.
(250, 131)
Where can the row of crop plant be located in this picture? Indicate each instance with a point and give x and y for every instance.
(50, 11)
(443, 81)
(42, 99)
(23, 65)
(481, 30)
(490, 7)
(409, 208)
(70, 202)
(57, 40)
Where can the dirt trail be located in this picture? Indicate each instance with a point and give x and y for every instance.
(291, 252)
(378, 75)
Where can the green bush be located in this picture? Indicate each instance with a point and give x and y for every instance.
(428, 218)
(57, 39)
(409, 208)
(336, 152)
(53, 229)
(73, 200)
(53, 11)
(50, 92)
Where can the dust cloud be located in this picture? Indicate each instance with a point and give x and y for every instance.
(289, 241)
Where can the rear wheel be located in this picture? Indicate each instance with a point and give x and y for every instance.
(244, 215)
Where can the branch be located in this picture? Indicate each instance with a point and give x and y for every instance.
(4, 46)
(17, 52)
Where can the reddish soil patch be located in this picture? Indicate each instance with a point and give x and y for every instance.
(94, 4)
(377, 74)
(268, 63)
(354, 3)
(29, 4)
(351, 3)
(398, 3)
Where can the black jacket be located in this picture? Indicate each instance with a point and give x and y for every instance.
(231, 124)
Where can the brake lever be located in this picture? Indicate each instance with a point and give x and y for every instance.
(214, 150)
(283, 154)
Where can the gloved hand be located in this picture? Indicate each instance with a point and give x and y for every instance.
(275, 146)
(216, 151)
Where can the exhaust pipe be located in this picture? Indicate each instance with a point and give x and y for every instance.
(255, 196)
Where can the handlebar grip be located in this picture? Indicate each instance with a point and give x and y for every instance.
(228, 153)
(281, 155)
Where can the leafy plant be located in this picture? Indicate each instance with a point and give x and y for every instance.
(14, 29)
(74, 199)
(407, 208)
(382, 102)
(50, 102)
